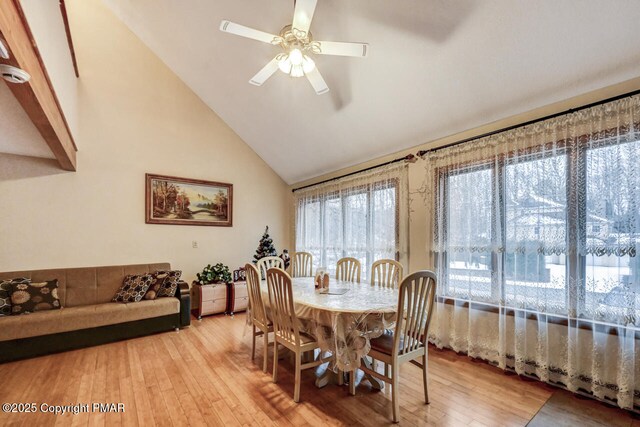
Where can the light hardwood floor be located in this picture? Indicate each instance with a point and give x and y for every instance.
(203, 375)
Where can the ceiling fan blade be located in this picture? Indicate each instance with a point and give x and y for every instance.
(266, 72)
(344, 49)
(303, 14)
(316, 80)
(250, 33)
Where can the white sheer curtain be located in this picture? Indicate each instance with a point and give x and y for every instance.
(536, 235)
(364, 216)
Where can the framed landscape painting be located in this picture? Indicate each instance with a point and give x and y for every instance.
(183, 201)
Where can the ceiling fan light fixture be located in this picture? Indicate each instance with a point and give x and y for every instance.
(296, 71)
(294, 65)
(297, 43)
(284, 64)
(295, 56)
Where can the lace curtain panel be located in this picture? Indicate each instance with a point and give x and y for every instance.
(364, 216)
(536, 234)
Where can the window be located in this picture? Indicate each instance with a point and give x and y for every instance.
(535, 220)
(470, 237)
(536, 232)
(612, 218)
(548, 230)
(360, 222)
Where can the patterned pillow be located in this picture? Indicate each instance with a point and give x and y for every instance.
(27, 297)
(156, 284)
(133, 288)
(5, 294)
(170, 283)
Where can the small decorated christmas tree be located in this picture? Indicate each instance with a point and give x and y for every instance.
(265, 247)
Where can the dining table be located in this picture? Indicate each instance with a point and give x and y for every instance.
(343, 320)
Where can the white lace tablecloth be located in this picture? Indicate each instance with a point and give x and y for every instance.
(343, 324)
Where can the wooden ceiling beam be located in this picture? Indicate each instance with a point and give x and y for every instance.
(67, 29)
(37, 96)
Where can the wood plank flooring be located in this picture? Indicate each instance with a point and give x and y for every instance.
(203, 375)
(565, 409)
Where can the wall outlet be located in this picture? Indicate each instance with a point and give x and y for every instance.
(194, 244)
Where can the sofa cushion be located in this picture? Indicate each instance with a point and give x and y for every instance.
(170, 283)
(29, 297)
(133, 288)
(82, 317)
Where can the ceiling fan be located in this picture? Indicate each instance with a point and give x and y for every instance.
(298, 44)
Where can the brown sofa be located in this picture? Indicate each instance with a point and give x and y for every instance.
(88, 316)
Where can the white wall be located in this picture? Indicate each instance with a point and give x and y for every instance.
(135, 116)
(18, 134)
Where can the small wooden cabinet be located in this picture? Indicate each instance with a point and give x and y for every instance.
(238, 293)
(225, 298)
(212, 299)
(238, 297)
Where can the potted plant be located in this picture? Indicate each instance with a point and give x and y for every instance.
(218, 273)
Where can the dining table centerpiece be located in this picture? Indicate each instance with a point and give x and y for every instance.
(322, 280)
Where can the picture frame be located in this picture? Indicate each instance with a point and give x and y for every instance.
(183, 201)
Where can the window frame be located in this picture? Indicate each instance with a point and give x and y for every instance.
(342, 195)
(443, 175)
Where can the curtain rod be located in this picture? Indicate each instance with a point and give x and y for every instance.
(530, 122)
(411, 158)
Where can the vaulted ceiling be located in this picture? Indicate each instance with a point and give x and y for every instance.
(434, 68)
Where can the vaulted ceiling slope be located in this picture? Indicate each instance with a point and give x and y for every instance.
(434, 68)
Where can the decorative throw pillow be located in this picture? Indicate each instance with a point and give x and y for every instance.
(156, 284)
(28, 297)
(5, 294)
(133, 288)
(5, 297)
(170, 283)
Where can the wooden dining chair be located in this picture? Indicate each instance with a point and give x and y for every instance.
(260, 322)
(287, 326)
(302, 264)
(348, 269)
(267, 262)
(409, 338)
(386, 273)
